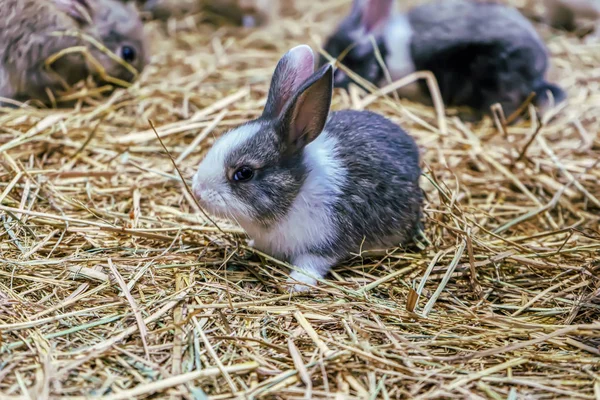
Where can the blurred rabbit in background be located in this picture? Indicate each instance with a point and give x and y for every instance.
(33, 31)
(480, 53)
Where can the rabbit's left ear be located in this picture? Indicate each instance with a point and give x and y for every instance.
(306, 113)
(79, 10)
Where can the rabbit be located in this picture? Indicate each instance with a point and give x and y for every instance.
(571, 14)
(247, 13)
(310, 187)
(31, 31)
(480, 53)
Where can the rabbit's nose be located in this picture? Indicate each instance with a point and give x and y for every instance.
(197, 187)
(199, 191)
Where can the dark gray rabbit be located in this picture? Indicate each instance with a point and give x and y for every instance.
(311, 187)
(480, 53)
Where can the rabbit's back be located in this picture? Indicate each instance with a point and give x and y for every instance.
(441, 25)
(465, 21)
(369, 139)
(381, 198)
(23, 18)
(480, 53)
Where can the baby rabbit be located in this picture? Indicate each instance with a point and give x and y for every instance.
(480, 53)
(34, 30)
(311, 187)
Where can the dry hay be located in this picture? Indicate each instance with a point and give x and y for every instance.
(112, 284)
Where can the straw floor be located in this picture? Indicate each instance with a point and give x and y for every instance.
(113, 284)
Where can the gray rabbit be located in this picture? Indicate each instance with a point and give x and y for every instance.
(34, 30)
(480, 53)
(311, 187)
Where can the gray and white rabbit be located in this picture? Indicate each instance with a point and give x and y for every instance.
(34, 30)
(480, 53)
(312, 187)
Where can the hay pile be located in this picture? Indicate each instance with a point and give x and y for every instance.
(112, 283)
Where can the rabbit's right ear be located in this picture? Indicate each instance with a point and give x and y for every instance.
(294, 68)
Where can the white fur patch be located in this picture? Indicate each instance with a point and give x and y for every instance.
(399, 62)
(210, 183)
(397, 37)
(310, 267)
(308, 223)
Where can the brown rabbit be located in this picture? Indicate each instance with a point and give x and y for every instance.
(34, 31)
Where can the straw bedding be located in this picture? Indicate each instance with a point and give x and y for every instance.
(113, 284)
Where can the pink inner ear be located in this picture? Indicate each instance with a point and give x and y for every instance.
(304, 116)
(294, 68)
(302, 61)
(376, 13)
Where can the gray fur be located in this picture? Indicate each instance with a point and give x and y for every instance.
(380, 205)
(480, 53)
(29, 28)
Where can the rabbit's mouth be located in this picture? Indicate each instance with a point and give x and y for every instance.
(212, 200)
(122, 74)
(209, 199)
(114, 75)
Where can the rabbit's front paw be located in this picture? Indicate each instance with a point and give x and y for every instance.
(299, 282)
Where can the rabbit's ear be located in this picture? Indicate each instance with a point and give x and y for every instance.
(79, 10)
(294, 68)
(306, 114)
(374, 13)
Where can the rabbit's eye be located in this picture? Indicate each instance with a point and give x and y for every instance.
(243, 174)
(128, 54)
